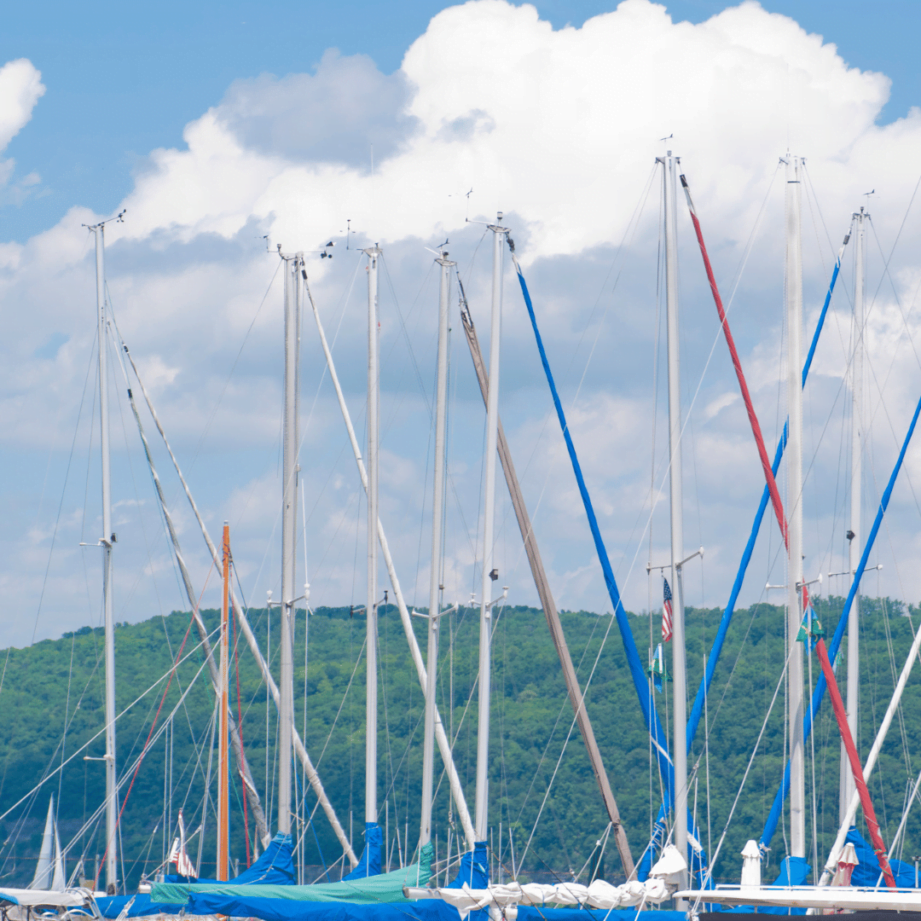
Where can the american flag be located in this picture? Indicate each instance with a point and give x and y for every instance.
(666, 611)
(178, 854)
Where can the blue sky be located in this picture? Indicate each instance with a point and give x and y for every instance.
(124, 79)
(219, 126)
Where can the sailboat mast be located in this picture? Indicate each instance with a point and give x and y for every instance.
(441, 396)
(441, 737)
(373, 254)
(288, 540)
(107, 541)
(223, 772)
(490, 575)
(853, 534)
(679, 668)
(794, 298)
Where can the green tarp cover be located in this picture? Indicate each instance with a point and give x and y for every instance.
(386, 887)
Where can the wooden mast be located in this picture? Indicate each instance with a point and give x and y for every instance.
(223, 776)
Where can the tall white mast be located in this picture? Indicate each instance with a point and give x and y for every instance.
(223, 776)
(441, 396)
(794, 452)
(107, 541)
(441, 737)
(679, 671)
(288, 539)
(854, 536)
(374, 254)
(481, 810)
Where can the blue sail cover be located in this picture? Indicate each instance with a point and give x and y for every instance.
(111, 906)
(868, 873)
(473, 871)
(370, 863)
(275, 866)
(794, 871)
(423, 910)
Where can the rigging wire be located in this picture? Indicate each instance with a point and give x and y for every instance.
(57, 520)
(94, 737)
(125, 777)
(780, 683)
(693, 402)
(146, 748)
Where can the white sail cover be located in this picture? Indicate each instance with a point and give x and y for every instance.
(658, 888)
(598, 894)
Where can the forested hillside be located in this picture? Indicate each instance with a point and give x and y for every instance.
(52, 697)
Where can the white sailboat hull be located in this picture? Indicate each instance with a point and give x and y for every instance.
(821, 897)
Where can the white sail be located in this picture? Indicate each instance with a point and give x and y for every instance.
(58, 879)
(44, 868)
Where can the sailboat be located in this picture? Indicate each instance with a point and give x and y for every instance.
(270, 868)
(673, 872)
(510, 897)
(275, 866)
(282, 844)
(107, 542)
(473, 874)
(365, 881)
(359, 887)
(837, 889)
(670, 871)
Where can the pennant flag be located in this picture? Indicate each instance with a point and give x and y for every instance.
(657, 668)
(666, 611)
(811, 628)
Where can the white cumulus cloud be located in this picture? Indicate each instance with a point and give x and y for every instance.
(20, 89)
(558, 128)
